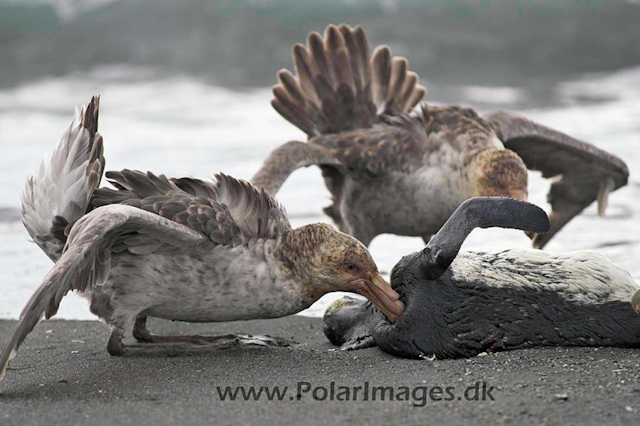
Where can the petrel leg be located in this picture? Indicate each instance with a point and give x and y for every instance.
(140, 331)
(115, 347)
(142, 334)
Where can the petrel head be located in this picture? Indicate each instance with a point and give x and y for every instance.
(499, 173)
(327, 260)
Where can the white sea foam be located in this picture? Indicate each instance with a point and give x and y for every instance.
(497, 95)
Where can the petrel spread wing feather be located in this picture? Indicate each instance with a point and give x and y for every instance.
(582, 172)
(59, 192)
(228, 211)
(339, 86)
(256, 213)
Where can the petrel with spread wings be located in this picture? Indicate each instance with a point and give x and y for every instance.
(180, 249)
(395, 168)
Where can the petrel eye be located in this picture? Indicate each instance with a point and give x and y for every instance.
(351, 267)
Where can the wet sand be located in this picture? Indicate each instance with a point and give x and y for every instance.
(64, 375)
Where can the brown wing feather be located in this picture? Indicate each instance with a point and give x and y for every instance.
(396, 144)
(586, 173)
(187, 201)
(338, 86)
(255, 211)
(228, 211)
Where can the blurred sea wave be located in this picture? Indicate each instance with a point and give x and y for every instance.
(528, 44)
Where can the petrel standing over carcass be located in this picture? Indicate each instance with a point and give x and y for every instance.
(394, 169)
(179, 249)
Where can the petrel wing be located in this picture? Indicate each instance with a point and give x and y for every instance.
(582, 172)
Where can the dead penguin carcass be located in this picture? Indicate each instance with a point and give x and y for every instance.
(462, 304)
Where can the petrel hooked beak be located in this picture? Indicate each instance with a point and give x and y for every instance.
(380, 293)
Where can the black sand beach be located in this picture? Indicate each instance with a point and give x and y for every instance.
(64, 375)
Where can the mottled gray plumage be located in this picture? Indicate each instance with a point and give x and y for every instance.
(394, 169)
(180, 249)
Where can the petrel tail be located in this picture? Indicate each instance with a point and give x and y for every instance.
(338, 86)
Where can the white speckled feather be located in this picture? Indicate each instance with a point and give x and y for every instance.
(582, 277)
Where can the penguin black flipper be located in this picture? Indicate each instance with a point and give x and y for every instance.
(480, 212)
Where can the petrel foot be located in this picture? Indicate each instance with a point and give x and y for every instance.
(262, 340)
